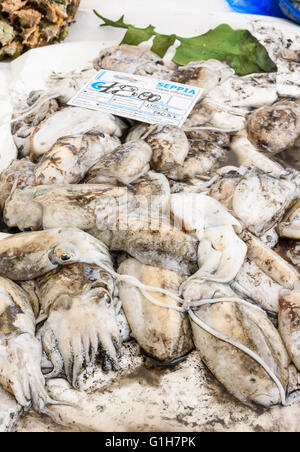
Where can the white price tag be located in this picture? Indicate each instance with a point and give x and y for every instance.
(144, 99)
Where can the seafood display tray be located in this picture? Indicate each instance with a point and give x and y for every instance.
(141, 397)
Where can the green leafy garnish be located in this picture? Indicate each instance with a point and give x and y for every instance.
(135, 36)
(238, 48)
(161, 44)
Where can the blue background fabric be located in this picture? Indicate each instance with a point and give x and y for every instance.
(289, 9)
(264, 7)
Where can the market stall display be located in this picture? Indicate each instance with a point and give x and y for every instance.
(183, 276)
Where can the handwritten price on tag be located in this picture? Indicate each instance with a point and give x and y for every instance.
(118, 89)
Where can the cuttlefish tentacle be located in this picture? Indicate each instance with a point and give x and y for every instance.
(20, 350)
(81, 324)
(221, 252)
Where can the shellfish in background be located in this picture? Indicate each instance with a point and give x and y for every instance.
(29, 24)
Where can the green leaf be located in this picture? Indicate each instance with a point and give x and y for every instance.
(162, 43)
(242, 51)
(135, 36)
(107, 22)
(238, 48)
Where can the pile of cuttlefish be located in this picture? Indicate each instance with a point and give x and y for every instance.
(191, 235)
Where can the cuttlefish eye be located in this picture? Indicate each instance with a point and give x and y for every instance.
(100, 297)
(107, 299)
(65, 258)
(63, 254)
